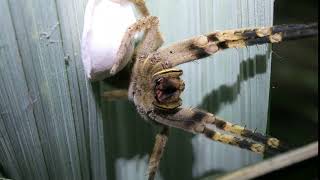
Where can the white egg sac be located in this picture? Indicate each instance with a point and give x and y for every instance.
(105, 23)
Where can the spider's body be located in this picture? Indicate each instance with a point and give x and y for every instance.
(155, 84)
(154, 87)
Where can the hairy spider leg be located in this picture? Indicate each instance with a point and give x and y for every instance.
(152, 40)
(141, 6)
(236, 141)
(247, 133)
(157, 152)
(205, 45)
(147, 24)
(197, 121)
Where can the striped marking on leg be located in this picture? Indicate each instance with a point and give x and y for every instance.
(235, 141)
(256, 136)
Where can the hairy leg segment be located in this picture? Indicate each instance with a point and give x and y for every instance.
(198, 122)
(206, 45)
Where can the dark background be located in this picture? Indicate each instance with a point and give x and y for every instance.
(293, 115)
(294, 80)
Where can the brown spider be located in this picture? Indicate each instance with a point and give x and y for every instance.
(155, 85)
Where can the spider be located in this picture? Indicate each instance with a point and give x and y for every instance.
(155, 85)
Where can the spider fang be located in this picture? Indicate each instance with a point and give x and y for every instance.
(167, 88)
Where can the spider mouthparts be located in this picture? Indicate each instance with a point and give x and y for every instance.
(167, 92)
